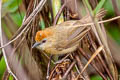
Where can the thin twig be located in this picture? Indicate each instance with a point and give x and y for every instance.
(81, 67)
(28, 21)
(102, 41)
(75, 64)
(48, 57)
(92, 57)
(95, 67)
(59, 61)
(100, 58)
(48, 68)
(88, 24)
(68, 70)
(6, 75)
(50, 77)
(58, 14)
(1, 41)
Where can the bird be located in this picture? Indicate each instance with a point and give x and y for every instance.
(64, 37)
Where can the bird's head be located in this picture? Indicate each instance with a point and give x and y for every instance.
(41, 37)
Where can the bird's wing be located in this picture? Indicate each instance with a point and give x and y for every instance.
(75, 34)
(70, 37)
(72, 41)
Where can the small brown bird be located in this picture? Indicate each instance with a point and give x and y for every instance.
(63, 38)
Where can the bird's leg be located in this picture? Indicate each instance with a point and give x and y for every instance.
(48, 67)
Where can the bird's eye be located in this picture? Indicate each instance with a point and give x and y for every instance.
(44, 41)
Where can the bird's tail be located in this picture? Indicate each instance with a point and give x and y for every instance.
(87, 19)
(101, 13)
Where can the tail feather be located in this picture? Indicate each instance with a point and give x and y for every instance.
(87, 19)
(101, 13)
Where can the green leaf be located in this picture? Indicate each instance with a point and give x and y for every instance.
(41, 23)
(96, 78)
(11, 5)
(17, 18)
(2, 67)
(10, 77)
(115, 33)
(108, 6)
(7, 31)
(99, 6)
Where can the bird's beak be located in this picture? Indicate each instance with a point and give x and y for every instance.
(36, 44)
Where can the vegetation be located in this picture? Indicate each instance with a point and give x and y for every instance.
(21, 19)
